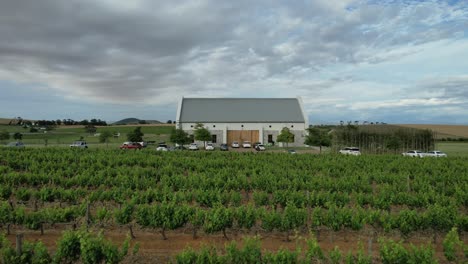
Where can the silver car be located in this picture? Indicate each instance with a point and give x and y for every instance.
(413, 153)
(235, 144)
(193, 146)
(435, 153)
(351, 151)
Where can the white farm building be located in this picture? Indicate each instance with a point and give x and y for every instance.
(244, 119)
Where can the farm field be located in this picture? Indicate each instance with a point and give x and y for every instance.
(175, 200)
(65, 135)
(453, 148)
(443, 131)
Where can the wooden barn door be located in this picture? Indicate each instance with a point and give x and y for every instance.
(242, 135)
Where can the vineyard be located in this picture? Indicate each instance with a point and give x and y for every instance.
(256, 207)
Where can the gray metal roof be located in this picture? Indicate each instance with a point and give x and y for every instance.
(241, 110)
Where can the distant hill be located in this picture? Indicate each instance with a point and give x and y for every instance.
(135, 121)
(9, 121)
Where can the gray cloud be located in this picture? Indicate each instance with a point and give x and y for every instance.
(155, 51)
(448, 87)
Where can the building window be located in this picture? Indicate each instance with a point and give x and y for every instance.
(269, 126)
(270, 138)
(214, 125)
(293, 139)
(242, 125)
(191, 126)
(292, 125)
(192, 138)
(213, 138)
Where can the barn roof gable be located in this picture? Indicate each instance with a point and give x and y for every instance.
(241, 110)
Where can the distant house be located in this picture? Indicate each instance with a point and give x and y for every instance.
(244, 119)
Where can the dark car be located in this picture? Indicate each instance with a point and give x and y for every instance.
(180, 147)
(224, 147)
(16, 145)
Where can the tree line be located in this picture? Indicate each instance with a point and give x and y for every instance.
(383, 138)
(70, 122)
(58, 122)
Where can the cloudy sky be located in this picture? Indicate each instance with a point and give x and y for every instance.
(394, 61)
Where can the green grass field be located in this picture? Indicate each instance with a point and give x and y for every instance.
(453, 148)
(66, 135)
(63, 136)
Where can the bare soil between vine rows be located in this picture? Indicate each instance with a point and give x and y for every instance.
(153, 249)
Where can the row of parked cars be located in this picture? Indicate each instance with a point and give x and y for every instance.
(412, 153)
(210, 146)
(420, 154)
(246, 144)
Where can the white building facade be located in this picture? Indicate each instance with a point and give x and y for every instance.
(244, 119)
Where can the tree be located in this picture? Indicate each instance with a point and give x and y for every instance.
(18, 136)
(285, 136)
(104, 136)
(202, 134)
(180, 137)
(4, 135)
(393, 143)
(317, 137)
(169, 121)
(84, 122)
(136, 135)
(90, 129)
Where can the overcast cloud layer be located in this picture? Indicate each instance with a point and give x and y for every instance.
(395, 61)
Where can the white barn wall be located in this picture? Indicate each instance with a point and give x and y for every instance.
(220, 130)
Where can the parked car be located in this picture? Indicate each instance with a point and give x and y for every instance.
(235, 144)
(130, 145)
(351, 151)
(209, 146)
(259, 147)
(413, 153)
(143, 144)
(435, 153)
(292, 151)
(15, 145)
(224, 147)
(246, 144)
(162, 147)
(179, 147)
(79, 144)
(193, 146)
